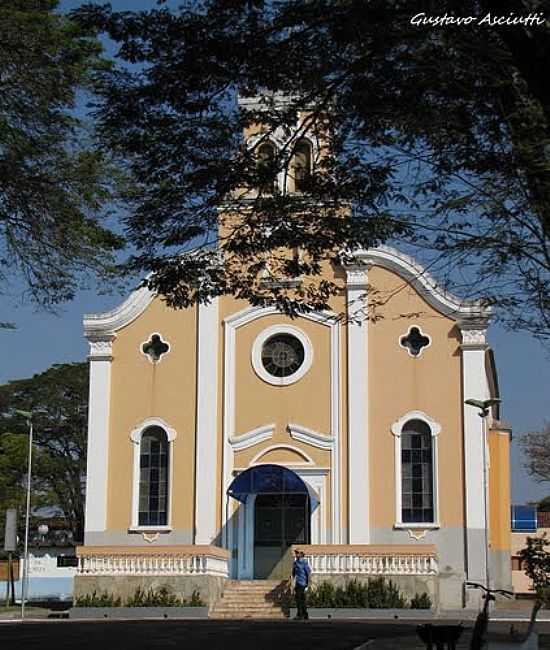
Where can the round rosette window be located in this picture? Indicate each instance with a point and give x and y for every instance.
(282, 355)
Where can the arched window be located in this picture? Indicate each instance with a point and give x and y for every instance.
(302, 165)
(416, 494)
(267, 168)
(417, 498)
(153, 477)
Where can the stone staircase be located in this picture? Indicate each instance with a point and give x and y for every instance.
(249, 599)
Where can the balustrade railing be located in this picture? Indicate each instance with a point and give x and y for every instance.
(158, 561)
(372, 560)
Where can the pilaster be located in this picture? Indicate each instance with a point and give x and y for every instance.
(358, 410)
(97, 467)
(206, 473)
(474, 386)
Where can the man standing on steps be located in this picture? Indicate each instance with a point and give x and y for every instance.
(300, 572)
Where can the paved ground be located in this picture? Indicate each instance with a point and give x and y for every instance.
(221, 635)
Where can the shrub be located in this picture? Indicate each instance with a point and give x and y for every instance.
(422, 601)
(151, 598)
(384, 595)
(94, 600)
(161, 597)
(376, 593)
(195, 600)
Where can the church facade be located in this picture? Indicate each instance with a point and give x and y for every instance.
(220, 436)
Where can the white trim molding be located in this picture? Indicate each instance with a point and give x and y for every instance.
(424, 347)
(253, 437)
(135, 437)
(100, 330)
(111, 321)
(149, 339)
(310, 437)
(263, 337)
(232, 323)
(150, 529)
(97, 464)
(316, 480)
(101, 347)
(358, 409)
(473, 333)
(299, 452)
(409, 269)
(474, 385)
(137, 432)
(206, 435)
(435, 430)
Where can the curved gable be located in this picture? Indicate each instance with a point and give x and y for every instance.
(425, 285)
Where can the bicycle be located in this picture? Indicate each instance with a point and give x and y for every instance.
(445, 637)
(479, 634)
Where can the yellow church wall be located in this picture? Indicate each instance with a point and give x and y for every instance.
(499, 490)
(279, 455)
(257, 454)
(141, 389)
(399, 383)
(306, 402)
(227, 305)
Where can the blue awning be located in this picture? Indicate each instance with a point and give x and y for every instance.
(270, 479)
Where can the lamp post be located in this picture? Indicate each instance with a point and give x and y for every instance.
(484, 407)
(24, 587)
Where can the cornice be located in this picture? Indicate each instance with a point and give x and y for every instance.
(253, 437)
(310, 437)
(357, 277)
(248, 314)
(101, 347)
(97, 325)
(137, 432)
(397, 427)
(406, 267)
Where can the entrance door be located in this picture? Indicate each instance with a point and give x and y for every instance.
(280, 520)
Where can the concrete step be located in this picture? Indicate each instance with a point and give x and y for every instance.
(246, 594)
(252, 587)
(261, 600)
(248, 603)
(241, 615)
(253, 582)
(246, 616)
(245, 601)
(248, 599)
(231, 607)
(249, 610)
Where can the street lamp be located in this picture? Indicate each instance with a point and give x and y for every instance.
(484, 407)
(24, 587)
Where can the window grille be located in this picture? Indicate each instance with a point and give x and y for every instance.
(153, 479)
(417, 502)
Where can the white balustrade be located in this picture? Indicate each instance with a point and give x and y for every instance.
(401, 564)
(112, 564)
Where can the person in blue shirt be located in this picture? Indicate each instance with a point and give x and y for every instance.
(300, 572)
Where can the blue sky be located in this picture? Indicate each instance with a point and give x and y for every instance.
(43, 339)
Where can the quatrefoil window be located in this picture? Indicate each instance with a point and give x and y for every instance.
(415, 341)
(155, 347)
